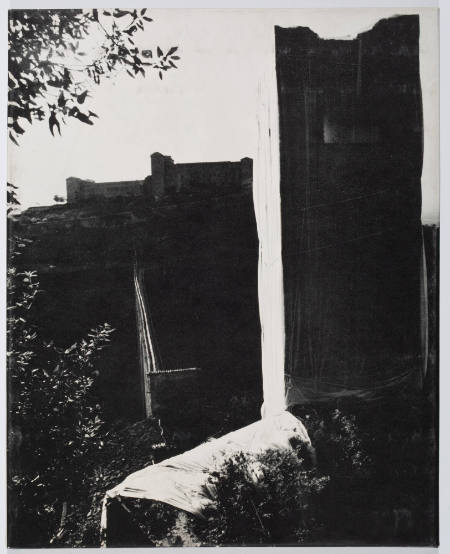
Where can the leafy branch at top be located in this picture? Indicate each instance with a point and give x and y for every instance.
(49, 71)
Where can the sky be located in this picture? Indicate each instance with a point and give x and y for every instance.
(206, 110)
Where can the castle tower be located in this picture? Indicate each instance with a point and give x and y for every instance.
(246, 171)
(75, 189)
(162, 176)
(158, 175)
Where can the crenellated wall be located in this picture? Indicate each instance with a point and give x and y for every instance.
(170, 178)
(167, 178)
(79, 190)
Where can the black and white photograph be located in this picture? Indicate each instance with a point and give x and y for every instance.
(223, 260)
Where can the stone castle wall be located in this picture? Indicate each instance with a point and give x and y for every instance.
(79, 190)
(166, 178)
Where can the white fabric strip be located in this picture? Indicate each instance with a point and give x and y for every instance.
(266, 197)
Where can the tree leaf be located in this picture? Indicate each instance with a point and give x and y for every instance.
(13, 139)
(52, 123)
(82, 97)
(61, 100)
(84, 118)
(120, 13)
(17, 128)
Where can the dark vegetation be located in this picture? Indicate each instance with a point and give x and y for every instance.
(381, 458)
(53, 414)
(268, 498)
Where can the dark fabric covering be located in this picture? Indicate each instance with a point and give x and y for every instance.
(351, 160)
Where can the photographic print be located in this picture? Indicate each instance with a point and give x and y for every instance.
(222, 277)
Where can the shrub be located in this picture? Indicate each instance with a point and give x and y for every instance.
(265, 498)
(127, 448)
(55, 420)
(378, 457)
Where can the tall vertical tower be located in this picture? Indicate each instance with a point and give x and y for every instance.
(350, 161)
(158, 175)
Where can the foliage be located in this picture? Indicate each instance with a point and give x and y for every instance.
(11, 199)
(377, 455)
(154, 519)
(338, 441)
(342, 452)
(265, 498)
(50, 71)
(54, 418)
(127, 448)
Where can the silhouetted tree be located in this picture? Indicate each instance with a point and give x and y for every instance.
(52, 63)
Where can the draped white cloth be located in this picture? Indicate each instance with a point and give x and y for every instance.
(266, 199)
(182, 481)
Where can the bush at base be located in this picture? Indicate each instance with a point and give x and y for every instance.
(266, 498)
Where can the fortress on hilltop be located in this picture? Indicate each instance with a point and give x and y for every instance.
(167, 178)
